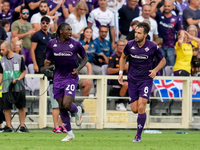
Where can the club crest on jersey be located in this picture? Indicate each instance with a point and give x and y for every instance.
(146, 49)
(132, 47)
(71, 45)
(172, 20)
(55, 45)
(162, 17)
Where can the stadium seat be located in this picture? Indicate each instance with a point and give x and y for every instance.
(168, 71)
(176, 107)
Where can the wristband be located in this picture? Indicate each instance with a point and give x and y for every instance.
(120, 72)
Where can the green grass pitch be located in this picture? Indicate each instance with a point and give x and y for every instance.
(106, 139)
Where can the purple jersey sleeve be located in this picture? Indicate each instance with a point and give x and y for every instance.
(49, 51)
(158, 54)
(81, 50)
(126, 49)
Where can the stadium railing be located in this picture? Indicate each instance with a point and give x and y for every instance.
(101, 102)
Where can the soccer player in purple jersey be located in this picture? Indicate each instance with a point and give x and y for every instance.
(64, 52)
(141, 53)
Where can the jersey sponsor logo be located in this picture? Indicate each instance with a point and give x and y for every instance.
(146, 49)
(132, 47)
(139, 126)
(71, 45)
(55, 45)
(66, 53)
(9, 72)
(139, 56)
(166, 25)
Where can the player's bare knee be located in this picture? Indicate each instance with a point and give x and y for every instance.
(135, 110)
(141, 108)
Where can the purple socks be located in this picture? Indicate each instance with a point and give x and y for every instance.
(74, 109)
(65, 116)
(66, 120)
(140, 124)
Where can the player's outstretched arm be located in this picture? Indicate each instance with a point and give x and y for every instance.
(121, 68)
(161, 64)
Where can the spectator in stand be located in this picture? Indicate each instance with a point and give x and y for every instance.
(33, 7)
(72, 4)
(24, 30)
(104, 44)
(126, 15)
(14, 4)
(113, 69)
(6, 24)
(36, 18)
(92, 49)
(184, 52)
(131, 34)
(146, 12)
(39, 43)
(3, 34)
(95, 4)
(8, 13)
(168, 25)
(60, 8)
(102, 16)
(191, 14)
(181, 5)
(77, 20)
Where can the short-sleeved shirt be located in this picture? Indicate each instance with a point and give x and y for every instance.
(114, 62)
(141, 59)
(41, 39)
(126, 15)
(3, 34)
(105, 46)
(97, 18)
(23, 28)
(153, 25)
(92, 50)
(31, 12)
(65, 59)
(36, 18)
(189, 13)
(8, 16)
(59, 12)
(167, 28)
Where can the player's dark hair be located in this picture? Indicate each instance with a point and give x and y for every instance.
(103, 26)
(82, 35)
(5, 1)
(145, 26)
(5, 22)
(22, 8)
(61, 27)
(44, 2)
(46, 19)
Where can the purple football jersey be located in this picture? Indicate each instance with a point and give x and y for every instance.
(59, 12)
(167, 28)
(141, 59)
(8, 16)
(65, 59)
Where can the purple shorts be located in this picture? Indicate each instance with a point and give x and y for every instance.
(70, 89)
(139, 89)
(27, 55)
